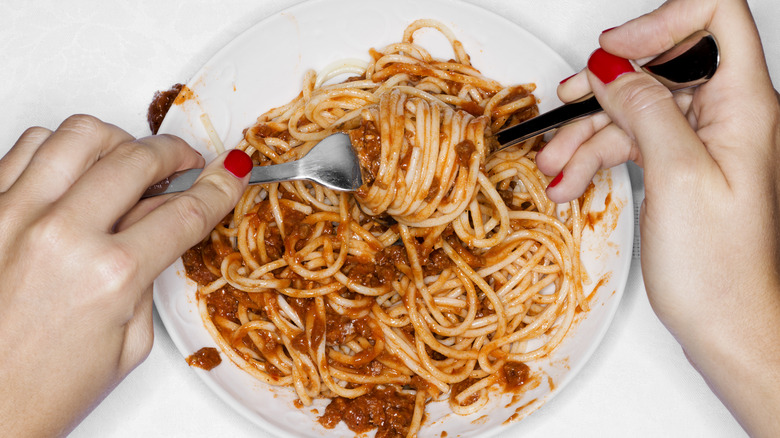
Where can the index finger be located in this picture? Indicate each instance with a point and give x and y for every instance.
(16, 160)
(724, 110)
(124, 174)
(64, 156)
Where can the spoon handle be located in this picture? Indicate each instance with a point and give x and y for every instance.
(690, 63)
(545, 122)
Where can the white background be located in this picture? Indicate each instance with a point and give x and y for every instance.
(107, 59)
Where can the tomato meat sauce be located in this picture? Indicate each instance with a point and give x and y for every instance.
(385, 409)
(205, 358)
(161, 103)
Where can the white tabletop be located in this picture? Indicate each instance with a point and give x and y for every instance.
(108, 58)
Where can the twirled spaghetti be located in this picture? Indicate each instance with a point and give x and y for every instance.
(445, 273)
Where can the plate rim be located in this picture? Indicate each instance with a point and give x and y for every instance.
(618, 172)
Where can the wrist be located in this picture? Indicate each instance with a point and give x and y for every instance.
(740, 360)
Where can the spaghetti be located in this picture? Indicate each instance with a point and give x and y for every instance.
(442, 276)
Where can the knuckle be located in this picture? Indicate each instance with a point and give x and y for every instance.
(111, 266)
(49, 231)
(137, 155)
(82, 124)
(115, 268)
(225, 188)
(194, 215)
(35, 132)
(170, 138)
(617, 148)
(642, 95)
(162, 140)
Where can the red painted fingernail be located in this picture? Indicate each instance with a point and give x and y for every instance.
(567, 78)
(608, 67)
(556, 180)
(238, 163)
(607, 30)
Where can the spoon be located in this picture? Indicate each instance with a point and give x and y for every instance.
(333, 163)
(691, 62)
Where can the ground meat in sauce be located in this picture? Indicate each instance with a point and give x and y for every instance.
(364, 273)
(391, 255)
(381, 271)
(386, 409)
(472, 108)
(437, 262)
(298, 236)
(373, 368)
(297, 232)
(514, 375)
(523, 115)
(365, 139)
(461, 386)
(300, 342)
(274, 244)
(161, 103)
(484, 309)
(224, 303)
(463, 151)
(263, 130)
(300, 305)
(517, 93)
(433, 354)
(507, 196)
(205, 358)
(269, 341)
(341, 329)
(473, 260)
(195, 267)
(433, 191)
(385, 261)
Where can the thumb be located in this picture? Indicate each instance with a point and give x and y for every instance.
(646, 111)
(187, 217)
(216, 191)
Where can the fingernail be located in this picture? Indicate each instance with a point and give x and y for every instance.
(567, 78)
(608, 67)
(607, 30)
(556, 180)
(238, 163)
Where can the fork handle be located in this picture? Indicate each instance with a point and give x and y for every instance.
(275, 173)
(177, 182)
(183, 180)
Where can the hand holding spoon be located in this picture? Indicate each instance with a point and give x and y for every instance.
(334, 164)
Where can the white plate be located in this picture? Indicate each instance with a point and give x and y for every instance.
(263, 68)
